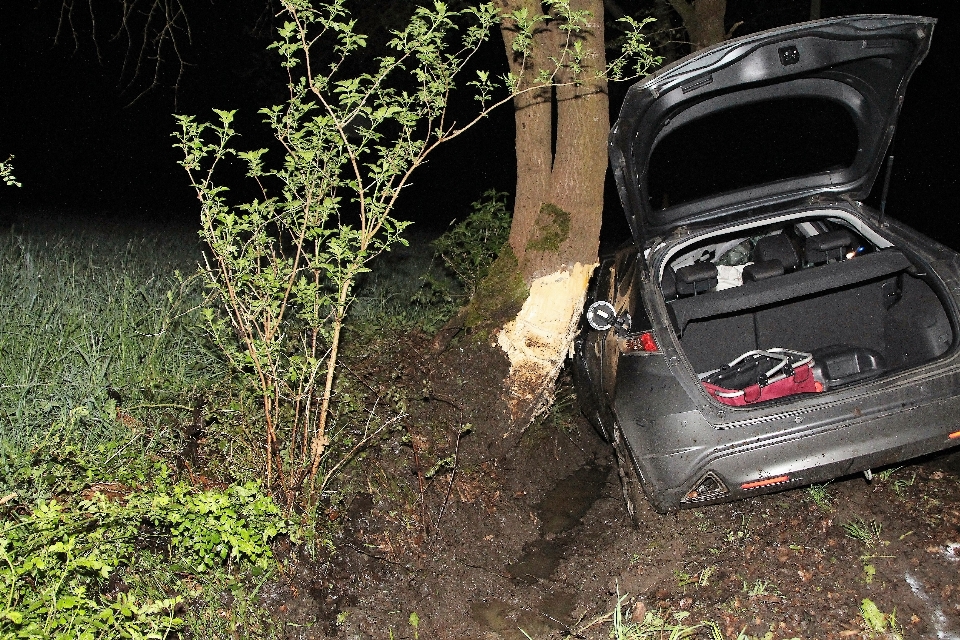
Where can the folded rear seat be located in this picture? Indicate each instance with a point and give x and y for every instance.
(788, 286)
(757, 271)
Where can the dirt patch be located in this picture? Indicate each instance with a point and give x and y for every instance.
(537, 541)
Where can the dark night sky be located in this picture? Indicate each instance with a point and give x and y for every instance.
(79, 146)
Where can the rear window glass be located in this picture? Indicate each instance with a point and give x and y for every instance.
(748, 146)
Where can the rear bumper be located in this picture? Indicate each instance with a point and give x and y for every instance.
(811, 440)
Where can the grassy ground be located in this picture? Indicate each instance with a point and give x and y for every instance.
(109, 525)
(126, 448)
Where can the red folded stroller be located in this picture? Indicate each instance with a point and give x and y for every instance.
(761, 375)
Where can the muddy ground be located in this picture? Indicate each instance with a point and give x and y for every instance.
(536, 542)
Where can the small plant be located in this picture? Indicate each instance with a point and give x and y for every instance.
(820, 496)
(866, 532)
(879, 623)
(653, 625)
(684, 578)
(705, 575)
(415, 623)
(741, 534)
(758, 588)
(6, 173)
(900, 485)
(886, 474)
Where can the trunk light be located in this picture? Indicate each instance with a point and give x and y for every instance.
(766, 482)
(955, 435)
(640, 342)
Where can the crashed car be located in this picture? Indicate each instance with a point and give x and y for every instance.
(765, 329)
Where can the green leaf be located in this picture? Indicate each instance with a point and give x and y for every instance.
(13, 616)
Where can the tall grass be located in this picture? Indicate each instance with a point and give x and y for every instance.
(98, 328)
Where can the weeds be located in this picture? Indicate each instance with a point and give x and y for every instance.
(886, 474)
(705, 575)
(101, 354)
(6, 173)
(758, 588)
(63, 562)
(878, 623)
(469, 247)
(742, 534)
(866, 532)
(105, 372)
(900, 485)
(820, 496)
(652, 625)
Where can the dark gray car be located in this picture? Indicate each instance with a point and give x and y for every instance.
(765, 329)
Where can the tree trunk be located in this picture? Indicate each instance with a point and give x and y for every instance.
(703, 20)
(814, 9)
(559, 200)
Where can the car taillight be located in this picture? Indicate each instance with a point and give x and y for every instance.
(640, 342)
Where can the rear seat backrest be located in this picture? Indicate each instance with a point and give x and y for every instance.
(762, 270)
(668, 284)
(776, 247)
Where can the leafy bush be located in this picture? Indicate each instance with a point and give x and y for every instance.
(76, 568)
(285, 265)
(470, 246)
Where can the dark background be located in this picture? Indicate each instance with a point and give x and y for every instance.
(88, 143)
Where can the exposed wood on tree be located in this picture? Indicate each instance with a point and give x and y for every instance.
(559, 200)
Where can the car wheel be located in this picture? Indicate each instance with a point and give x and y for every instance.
(629, 480)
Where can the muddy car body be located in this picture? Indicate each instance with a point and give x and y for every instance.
(742, 170)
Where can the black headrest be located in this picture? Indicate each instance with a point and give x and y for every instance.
(762, 270)
(696, 278)
(776, 247)
(668, 284)
(827, 246)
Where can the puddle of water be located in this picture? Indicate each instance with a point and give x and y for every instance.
(560, 510)
(510, 624)
(538, 562)
(493, 615)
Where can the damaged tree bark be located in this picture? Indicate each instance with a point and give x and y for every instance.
(561, 134)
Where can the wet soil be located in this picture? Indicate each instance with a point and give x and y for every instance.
(533, 540)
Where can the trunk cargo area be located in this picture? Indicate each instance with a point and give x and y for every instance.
(861, 308)
(898, 316)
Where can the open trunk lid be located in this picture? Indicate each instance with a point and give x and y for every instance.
(763, 119)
